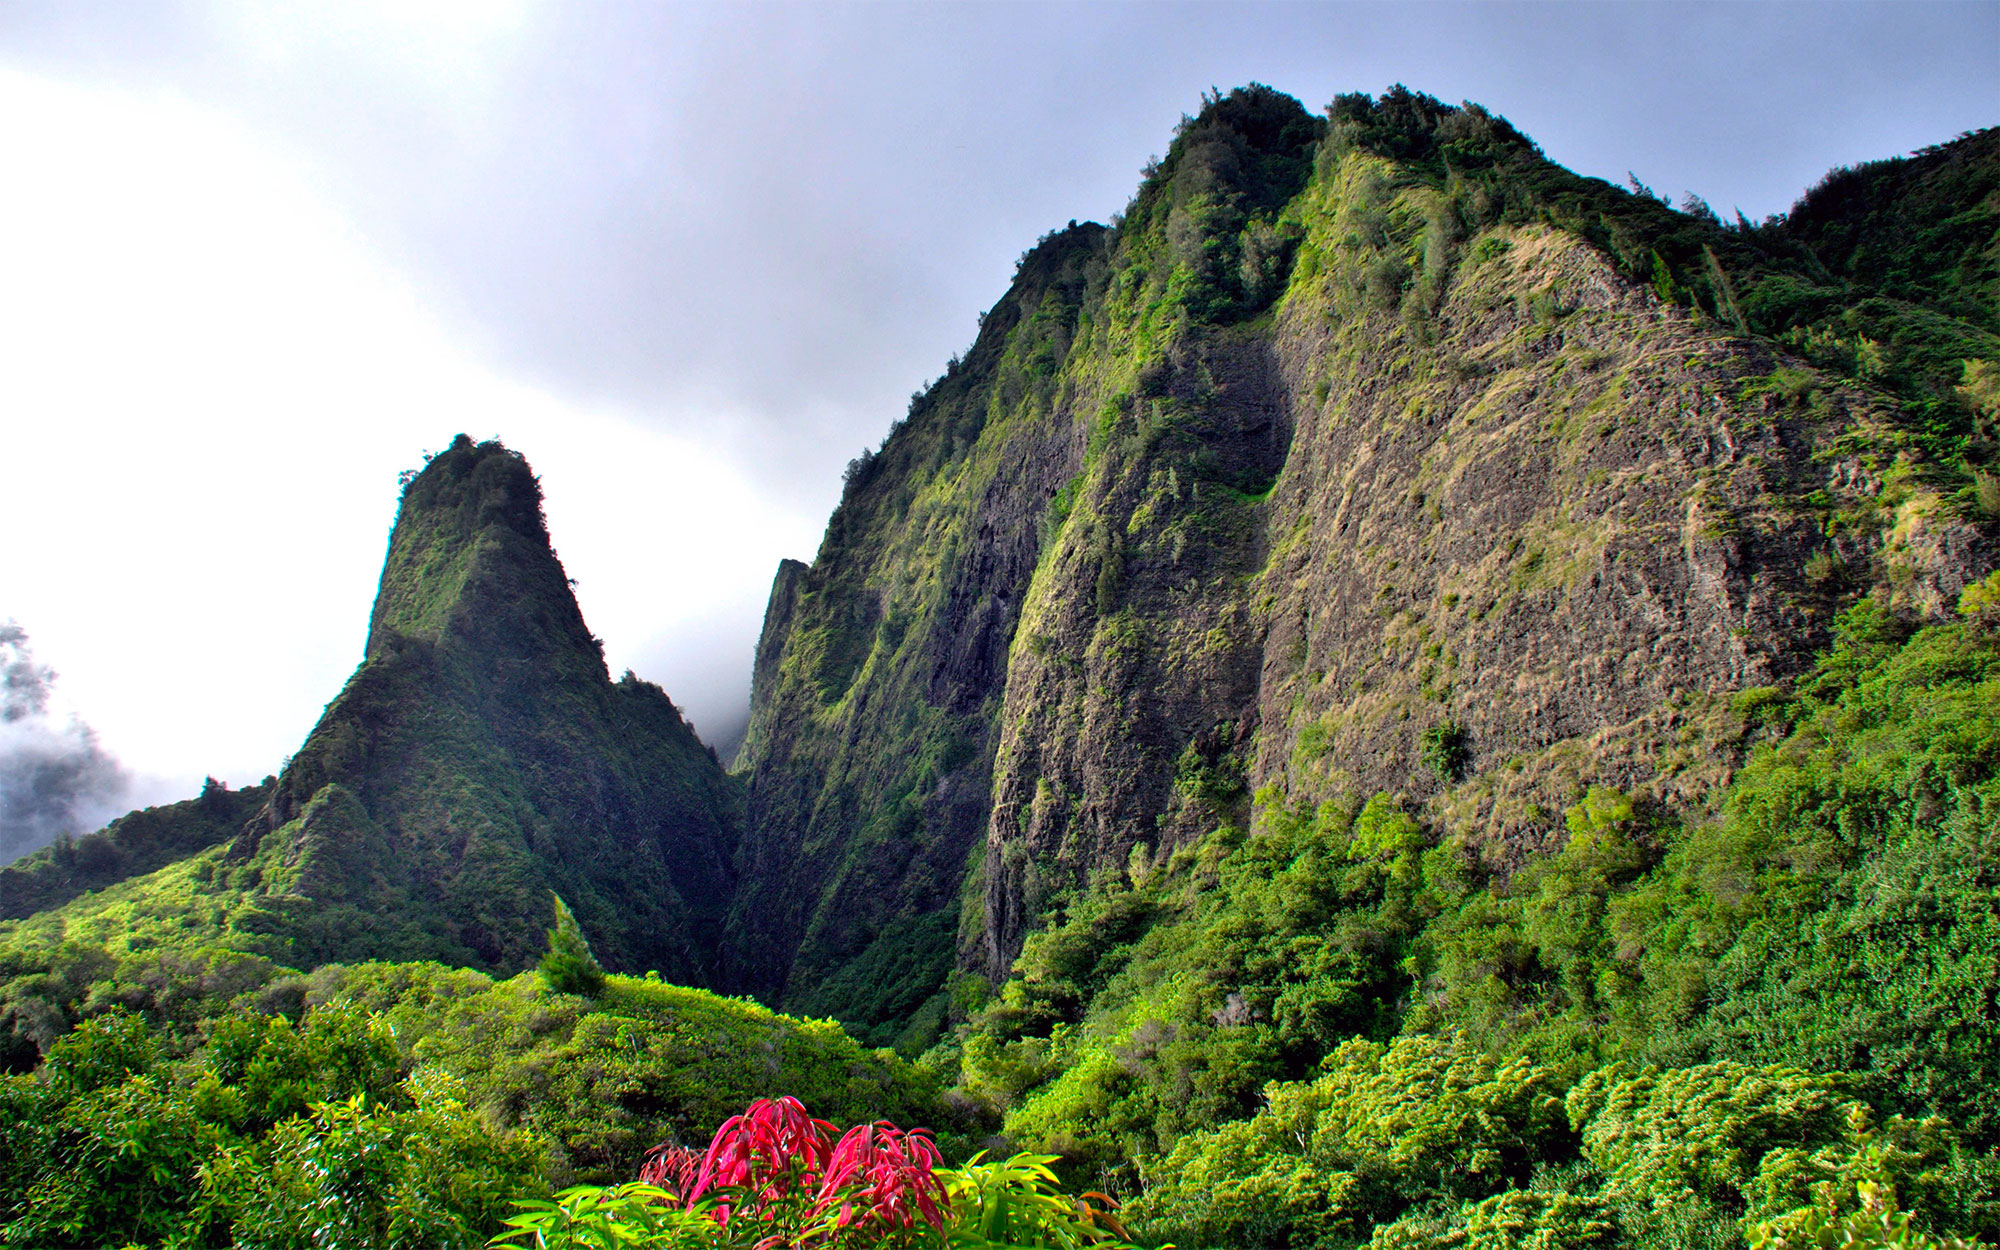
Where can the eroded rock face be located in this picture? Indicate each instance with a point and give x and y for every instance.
(1568, 527)
(1321, 472)
(481, 757)
(1534, 533)
(873, 723)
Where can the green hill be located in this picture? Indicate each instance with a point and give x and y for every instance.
(1368, 452)
(478, 758)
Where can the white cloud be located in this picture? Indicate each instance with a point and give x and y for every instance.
(448, 47)
(208, 385)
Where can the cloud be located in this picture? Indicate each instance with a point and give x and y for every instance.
(54, 778)
(688, 259)
(220, 381)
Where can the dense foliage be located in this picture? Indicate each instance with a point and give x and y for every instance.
(775, 1177)
(1816, 952)
(441, 1093)
(318, 1134)
(1763, 1017)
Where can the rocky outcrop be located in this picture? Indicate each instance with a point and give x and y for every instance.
(1367, 454)
(481, 757)
(873, 726)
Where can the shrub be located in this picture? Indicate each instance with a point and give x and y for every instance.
(774, 1177)
(354, 1175)
(569, 967)
(1387, 1128)
(1443, 749)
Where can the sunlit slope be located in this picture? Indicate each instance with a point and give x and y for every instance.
(479, 757)
(132, 845)
(1368, 452)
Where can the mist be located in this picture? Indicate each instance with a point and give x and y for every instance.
(54, 777)
(688, 259)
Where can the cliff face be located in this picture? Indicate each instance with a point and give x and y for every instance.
(873, 726)
(1368, 453)
(480, 757)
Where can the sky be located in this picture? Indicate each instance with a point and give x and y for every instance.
(257, 259)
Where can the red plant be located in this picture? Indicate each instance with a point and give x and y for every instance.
(886, 1173)
(671, 1167)
(769, 1151)
(779, 1166)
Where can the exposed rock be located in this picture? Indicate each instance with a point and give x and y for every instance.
(1342, 466)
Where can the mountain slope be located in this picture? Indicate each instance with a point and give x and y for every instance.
(874, 722)
(130, 846)
(482, 745)
(1368, 453)
(478, 758)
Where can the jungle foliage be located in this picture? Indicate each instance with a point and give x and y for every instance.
(1762, 1018)
(1334, 1025)
(391, 1104)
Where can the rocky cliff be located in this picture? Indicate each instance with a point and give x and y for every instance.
(1368, 453)
(481, 757)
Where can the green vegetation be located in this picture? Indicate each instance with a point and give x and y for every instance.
(1818, 949)
(569, 967)
(275, 1135)
(1473, 960)
(404, 1103)
(130, 846)
(1883, 273)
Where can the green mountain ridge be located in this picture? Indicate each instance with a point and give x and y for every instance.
(1366, 452)
(1360, 445)
(1395, 695)
(478, 758)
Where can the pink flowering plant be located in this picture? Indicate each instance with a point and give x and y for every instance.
(766, 1165)
(774, 1178)
(779, 1171)
(881, 1182)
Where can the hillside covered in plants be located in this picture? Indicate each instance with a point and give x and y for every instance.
(1395, 696)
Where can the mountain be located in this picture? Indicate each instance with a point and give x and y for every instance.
(1395, 696)
(131, 846)
(479, 758)
(1366, 454)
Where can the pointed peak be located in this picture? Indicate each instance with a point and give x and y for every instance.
(493, 479)
(1266, 119)
(1406, 125)
(1251, 148)
(470, 562)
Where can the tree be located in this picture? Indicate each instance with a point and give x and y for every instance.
(569, 967)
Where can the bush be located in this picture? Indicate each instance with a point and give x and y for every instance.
(569, 967)
(773, 1176)
(355, 1176)
(1387, 1128)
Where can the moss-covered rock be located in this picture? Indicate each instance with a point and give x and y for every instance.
(1356, 434)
